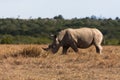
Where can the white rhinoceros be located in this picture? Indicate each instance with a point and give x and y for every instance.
(76, 38)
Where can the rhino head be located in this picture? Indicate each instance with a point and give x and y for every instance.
(54, 46)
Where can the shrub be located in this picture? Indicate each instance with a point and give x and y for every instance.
(112, 42)
(7, 39)
(30, 52)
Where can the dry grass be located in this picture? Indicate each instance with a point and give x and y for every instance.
(30, 62)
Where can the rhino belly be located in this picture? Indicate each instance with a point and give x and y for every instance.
(84, 43)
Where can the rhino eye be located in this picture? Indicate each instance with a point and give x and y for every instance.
(54, 46)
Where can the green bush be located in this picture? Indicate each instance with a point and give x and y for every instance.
(112, 42)
(37, 31)
(7, 39)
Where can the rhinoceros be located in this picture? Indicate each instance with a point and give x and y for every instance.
(76, 38)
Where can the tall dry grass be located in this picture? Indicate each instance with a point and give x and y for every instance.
(30, 62)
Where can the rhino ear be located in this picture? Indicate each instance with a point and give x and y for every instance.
(53, 36)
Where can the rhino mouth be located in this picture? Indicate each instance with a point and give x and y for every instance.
(48, 48)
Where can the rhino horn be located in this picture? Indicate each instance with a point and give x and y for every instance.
(46, 49)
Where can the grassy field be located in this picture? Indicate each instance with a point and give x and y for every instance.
(30, 62)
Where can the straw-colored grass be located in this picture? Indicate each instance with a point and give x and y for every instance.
(30, 62)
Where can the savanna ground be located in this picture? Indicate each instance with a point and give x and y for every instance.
(30, 62)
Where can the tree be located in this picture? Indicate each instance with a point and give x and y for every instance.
(117, 18)
(93, 17)
(58, 17)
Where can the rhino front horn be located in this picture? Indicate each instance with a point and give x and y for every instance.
(46, 49)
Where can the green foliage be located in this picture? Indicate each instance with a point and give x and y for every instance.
(37, 31)
(58, 17)
(7, 39)
(112, 42)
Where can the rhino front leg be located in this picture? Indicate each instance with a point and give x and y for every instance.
(74, 47)
(65, 48)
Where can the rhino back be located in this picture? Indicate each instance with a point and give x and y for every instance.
(82, 37)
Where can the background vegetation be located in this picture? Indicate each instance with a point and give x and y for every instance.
(37, 31)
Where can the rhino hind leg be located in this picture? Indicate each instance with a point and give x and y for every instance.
(98, 49)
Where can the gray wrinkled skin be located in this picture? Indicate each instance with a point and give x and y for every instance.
(76, 38)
